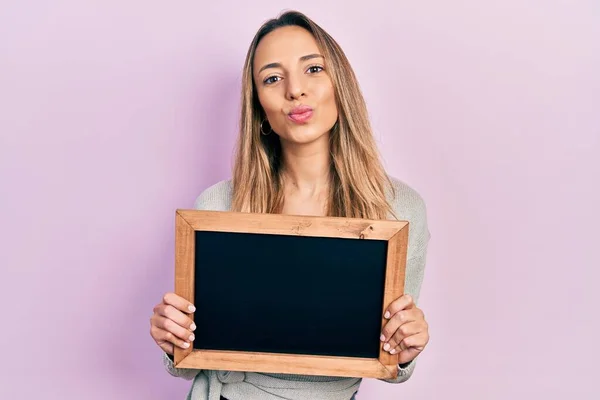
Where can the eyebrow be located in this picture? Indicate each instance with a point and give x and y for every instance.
(278, 65)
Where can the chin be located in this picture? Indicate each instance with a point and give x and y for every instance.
(304, 135)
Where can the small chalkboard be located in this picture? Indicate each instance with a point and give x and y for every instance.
(289, 294)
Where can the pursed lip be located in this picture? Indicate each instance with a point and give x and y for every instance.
(300, 110)
(300, 114)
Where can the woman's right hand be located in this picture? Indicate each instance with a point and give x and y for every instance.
(170, 325)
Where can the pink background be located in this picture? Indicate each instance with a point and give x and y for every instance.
(115, 113)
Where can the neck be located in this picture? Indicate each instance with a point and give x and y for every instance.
(306, 167)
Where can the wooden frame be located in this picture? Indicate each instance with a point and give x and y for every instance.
(394, 232)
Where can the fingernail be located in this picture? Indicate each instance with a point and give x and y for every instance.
(393, 351)
(387, 315)
(186, 345)
(193, 326)
(192, 337)
(386, 346)
(191, 308)
(382, 338)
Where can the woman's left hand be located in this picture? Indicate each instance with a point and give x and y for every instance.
(406, 331)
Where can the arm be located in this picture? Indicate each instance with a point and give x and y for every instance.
(411, 207)
(216, 197)
(414, 276)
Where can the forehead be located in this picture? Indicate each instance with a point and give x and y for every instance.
(285, 44)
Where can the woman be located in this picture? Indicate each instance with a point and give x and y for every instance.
(305, 148)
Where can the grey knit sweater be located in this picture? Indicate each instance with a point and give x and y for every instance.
(210, 385)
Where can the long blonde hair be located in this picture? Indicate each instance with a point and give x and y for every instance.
(358, 180)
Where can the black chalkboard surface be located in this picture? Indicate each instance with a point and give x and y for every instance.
(288, 294)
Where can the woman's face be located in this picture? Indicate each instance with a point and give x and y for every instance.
(293, 87)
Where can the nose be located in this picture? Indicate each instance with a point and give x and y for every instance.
(295, 88)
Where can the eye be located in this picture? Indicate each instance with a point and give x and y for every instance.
(313, 69)
(271, 79)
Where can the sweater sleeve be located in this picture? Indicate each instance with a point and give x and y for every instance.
(185, 373)
(410, 206)
(214, 198)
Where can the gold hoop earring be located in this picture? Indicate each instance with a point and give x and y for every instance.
(262, 130)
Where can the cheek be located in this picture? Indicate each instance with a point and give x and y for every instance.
(265, 100)
(328, 102)
(271, 104)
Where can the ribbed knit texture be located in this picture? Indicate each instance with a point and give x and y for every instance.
(210, 385)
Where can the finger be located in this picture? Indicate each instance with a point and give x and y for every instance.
(178, 302)
(411, 346)
(405, 330)
(170, 312)
(408, 355)
(162, 335)
(159, 337)
(165, 346)
(417, 341)
(168, 348)
(174, 328)
(399, 304)
(398, 319)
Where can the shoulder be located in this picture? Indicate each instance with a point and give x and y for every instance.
(406, 201)
(409, 205)
(216, 197)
